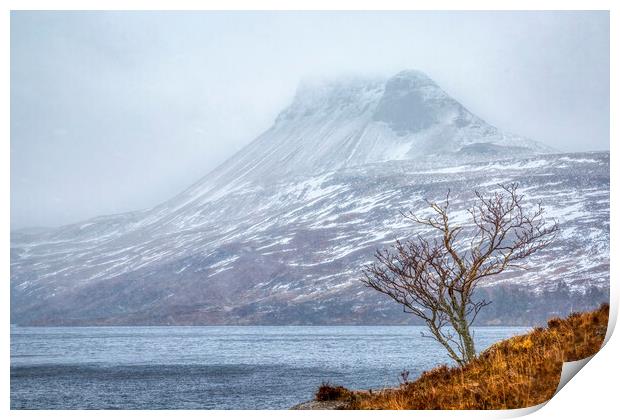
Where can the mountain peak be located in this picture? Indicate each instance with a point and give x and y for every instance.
(352, 121)
(408, 102)
(412, 77)
(412, 101)
(352, 86)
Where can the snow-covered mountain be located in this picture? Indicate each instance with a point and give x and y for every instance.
(280, 231)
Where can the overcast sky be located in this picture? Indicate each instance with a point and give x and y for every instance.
(118, 111)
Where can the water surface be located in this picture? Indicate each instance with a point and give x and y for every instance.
(255, 367)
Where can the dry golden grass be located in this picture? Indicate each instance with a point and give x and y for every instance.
(519, 372)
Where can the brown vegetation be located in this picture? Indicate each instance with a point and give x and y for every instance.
(327, 392)
(519, 372)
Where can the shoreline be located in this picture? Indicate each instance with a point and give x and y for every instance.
(515, 373)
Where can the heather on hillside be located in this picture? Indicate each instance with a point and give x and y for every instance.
(520, 372)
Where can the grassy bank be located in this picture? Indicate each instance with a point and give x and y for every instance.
(519, 372)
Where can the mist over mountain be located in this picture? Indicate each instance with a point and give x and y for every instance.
(342, 123)
(279, 233)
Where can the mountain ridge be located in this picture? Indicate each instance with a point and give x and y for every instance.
(350, 131)
(283, 227)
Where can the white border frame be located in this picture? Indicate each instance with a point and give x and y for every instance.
(592, 394)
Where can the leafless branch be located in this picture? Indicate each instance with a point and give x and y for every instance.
(435, 279)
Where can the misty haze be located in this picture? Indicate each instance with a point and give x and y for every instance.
(196, 198)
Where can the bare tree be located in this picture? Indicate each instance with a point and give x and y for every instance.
(435, 278)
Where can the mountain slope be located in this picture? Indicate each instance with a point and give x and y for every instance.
(352, 122)
(278, 234)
